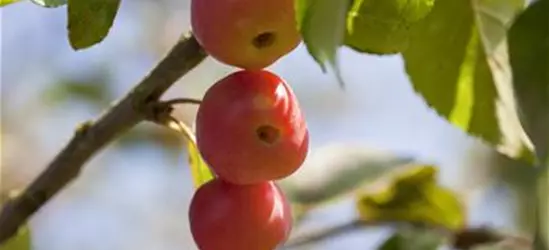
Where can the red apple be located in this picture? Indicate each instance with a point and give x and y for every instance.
(250, 128)
(250, 34)
(225, 216)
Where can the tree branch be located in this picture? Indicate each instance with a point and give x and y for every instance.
(92, 136)
(465, 239)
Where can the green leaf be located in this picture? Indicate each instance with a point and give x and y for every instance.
(413, 239)
(50, 3)
(7, 2)
(301, 7)
(200, 171)
(529, 57)
(454, 60)
(382, 26)
(412, 195)
(335, 171)
(322, 25)
(89, 21)
(21, 241)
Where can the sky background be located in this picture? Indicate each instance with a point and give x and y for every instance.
(135, 195)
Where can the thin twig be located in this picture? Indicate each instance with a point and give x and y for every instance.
(160, 113)
(323, 234)
(92, 136)
(175, 101)
(465, 239)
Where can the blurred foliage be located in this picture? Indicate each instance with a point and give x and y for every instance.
(93, 89)
(153, 135)
(412, 195)
(89, 22)
(413, 239)
(334, 171)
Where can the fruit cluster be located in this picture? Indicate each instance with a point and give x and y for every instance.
(250, 129)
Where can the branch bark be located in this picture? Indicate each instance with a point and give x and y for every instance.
(92, 136)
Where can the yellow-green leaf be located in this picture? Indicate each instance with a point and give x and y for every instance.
(454, 60)
(89, 21)
(412, 195)
(200, 171)
(322, 25)
(7, 2)
(382, 26)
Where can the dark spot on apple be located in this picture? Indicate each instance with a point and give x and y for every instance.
(268, 134)
(264, 40)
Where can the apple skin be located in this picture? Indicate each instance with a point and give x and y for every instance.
(225, 216)
(250, 128)
(248, 34)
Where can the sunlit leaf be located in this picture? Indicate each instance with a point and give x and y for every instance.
(50, 3)
(382, 27)
(322, 25)
(452, 61)
(7, 2)
(200, 171)
(412, 195)
(413, 239)
(529, 57)
(89, 21)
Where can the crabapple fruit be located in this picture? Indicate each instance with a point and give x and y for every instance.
(239, 217)
(249, 34)
(250, 128)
